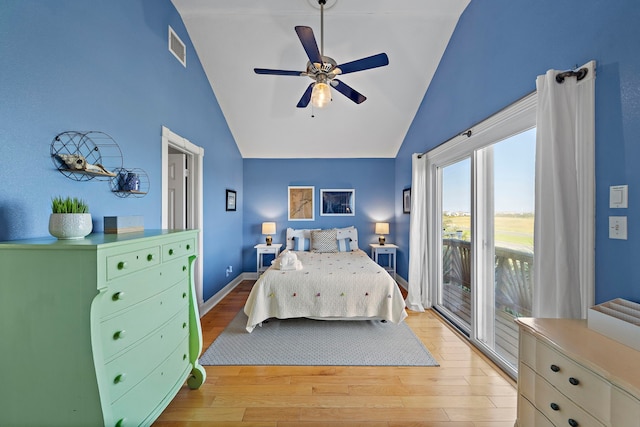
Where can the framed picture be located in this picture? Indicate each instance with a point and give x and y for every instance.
(231, 200)
(338, 202)
(301, 203)
(406, 200)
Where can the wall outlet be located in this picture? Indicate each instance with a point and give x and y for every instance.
(618, 227)
(229, 270)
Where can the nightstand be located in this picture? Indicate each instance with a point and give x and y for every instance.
(389, 250)
(263, 249)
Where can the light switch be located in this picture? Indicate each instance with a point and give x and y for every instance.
(618, 196)
(618, 227)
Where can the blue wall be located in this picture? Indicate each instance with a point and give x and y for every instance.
(493, 58)
(104, 66)
(265, 197)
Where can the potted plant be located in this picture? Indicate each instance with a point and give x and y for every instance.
(70, 218)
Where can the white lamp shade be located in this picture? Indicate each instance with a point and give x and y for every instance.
(382, 228)
(268, 228)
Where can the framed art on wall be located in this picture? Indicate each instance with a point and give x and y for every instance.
(338, 202)
(406, 200)
(231, 200)
(301, 203)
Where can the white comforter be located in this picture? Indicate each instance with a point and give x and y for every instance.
(329, 285)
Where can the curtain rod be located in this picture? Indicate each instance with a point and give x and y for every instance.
(578, 74)
(469, 132)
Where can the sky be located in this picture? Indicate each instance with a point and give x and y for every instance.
(514, 172)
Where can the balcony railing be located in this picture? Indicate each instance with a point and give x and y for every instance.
(513, 289)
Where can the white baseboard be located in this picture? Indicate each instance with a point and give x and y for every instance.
(400, 281)
(215, 299)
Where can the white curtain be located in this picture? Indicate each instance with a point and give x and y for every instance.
(418, 295)
(564, 196)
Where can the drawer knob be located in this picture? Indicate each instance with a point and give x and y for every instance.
(184, 268)
(170, 251)
(555, 406)
(555, 368)
(118, 296)
(119, 378)
(122, 265)
(150, 257)
(572, 422)
(121, 422)
(119, 335)
(188, 247)
(184, 325)
(184, 295)
(574, 381)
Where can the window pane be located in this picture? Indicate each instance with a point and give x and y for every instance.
(514, 160)
(456, 240)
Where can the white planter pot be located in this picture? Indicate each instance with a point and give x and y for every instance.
(70, 226)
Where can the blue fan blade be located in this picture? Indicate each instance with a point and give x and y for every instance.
(379, 60)
(306, 97)
(349, 92)
(277, 72)
(309, 43)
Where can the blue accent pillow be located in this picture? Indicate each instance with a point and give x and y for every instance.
(301, 243)
(344, 245)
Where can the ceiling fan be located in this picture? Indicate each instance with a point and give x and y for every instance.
(323, 70)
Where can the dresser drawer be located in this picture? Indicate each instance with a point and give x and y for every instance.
(385, 250)
(137, 406)
(133, 366)
(124, 330)
(529, 416)
(179, 248)
(527, 382)
(559, 408)
(585, 388)
(123, 264)
(127, 291)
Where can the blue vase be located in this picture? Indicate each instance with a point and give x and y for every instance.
(132, 182)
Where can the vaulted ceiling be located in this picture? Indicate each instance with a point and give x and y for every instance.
(232, 37)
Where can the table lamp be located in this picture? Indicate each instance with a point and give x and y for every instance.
(381, 229)
(269, 228)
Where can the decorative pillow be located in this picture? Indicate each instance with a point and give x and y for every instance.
(324, 241)
(344, 245)
(301, 232)
(301, 243)
(348, 233)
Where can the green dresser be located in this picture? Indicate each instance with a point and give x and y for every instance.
(99, 331)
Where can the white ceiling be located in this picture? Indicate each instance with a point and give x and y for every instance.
(232, 37)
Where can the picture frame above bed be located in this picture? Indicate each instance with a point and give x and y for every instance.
(338, 202)
(301, 203)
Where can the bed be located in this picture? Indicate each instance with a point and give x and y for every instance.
(333, 280)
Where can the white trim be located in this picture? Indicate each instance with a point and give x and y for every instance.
(171, 139)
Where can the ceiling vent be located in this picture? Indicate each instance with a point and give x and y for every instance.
(177, 47)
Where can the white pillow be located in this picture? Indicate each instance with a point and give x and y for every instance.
(291, 233)
(348, 233)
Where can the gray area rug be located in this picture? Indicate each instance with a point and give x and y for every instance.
(306, 342)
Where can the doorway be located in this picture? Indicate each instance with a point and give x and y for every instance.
(182, 192)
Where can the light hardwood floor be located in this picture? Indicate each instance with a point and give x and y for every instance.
(467, 390)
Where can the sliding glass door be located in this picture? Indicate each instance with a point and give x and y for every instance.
(482, 209)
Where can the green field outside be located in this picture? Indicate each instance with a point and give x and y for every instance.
(511, 231)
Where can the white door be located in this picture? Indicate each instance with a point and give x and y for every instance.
(177, 196)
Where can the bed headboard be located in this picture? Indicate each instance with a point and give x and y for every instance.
(346, 232)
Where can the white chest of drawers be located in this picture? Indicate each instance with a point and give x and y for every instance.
(570, 375)
(99, 331)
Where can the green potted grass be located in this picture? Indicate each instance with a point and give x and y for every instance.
(70, 218)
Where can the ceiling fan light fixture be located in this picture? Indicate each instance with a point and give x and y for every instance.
(321, 95)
